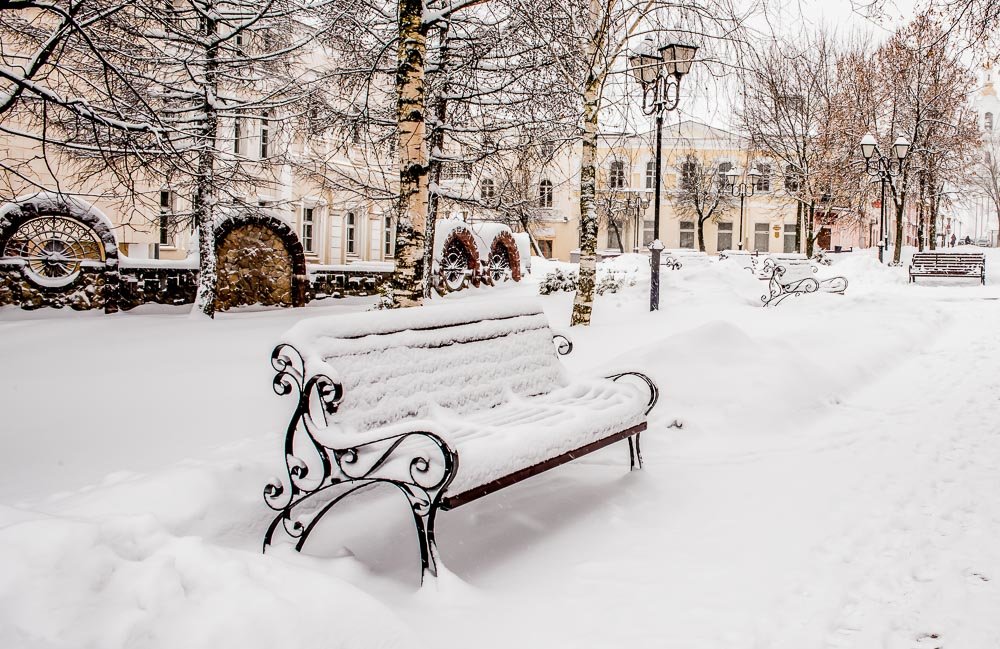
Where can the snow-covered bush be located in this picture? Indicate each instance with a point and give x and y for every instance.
(607, 282)
(385, 298)
(613, 282)
(557, 281)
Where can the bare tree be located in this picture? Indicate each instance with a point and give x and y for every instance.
(788, 112)
(701, 193)
(914, 86)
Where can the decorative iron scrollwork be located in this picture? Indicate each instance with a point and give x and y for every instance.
(778, 289)
(419, 464)
(563, 344)
(54, 247)
(634, 450)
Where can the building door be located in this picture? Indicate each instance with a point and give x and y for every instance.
(824, 238)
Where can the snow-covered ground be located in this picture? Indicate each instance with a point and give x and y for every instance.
(834, 483)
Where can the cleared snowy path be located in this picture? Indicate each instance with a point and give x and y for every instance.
(877, 527)
(835, 484)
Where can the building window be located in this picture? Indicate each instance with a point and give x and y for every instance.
(988, 121)
(760, 241)
(350, 234)
(239, 39)
(790, 238)
(687, 234)
(616, 175)
(456, 171)
(308, 229)
(168, 218)
(545, 193)
(489, 189)
(725, 236)
(648, 234)
(688, 169)
(763, 181)
(238, 135)
(265, 134)
(614, 238)
(387, 237)
(792, 183)
(651, 174)
(724, 169)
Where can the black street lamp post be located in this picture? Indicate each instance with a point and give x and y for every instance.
(636, 204)
(884, 168)
(742, 190)
(660, 77)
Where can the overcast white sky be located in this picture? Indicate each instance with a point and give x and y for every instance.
(708, 99)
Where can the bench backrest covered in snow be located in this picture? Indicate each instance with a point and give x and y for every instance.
(446, 403)
(948, 264)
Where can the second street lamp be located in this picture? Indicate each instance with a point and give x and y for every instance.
(742, 190)
(659, 75)
(884, 168)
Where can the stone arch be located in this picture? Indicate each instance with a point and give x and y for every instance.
(505, 247)
(260, 260)
(56, 251)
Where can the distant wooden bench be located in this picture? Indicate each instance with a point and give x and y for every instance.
(948, 264)
(798, 277)
(447, 404)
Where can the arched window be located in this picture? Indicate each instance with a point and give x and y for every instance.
(616, 175)
(689, 168)
(792, 183)
(763, 181)
(488, 189)
(724, 169)
(545, 193)
(350, 234)
(988, 121)
(265, 134)
(651, 174)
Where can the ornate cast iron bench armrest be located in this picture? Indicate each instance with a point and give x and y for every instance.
(325, 464)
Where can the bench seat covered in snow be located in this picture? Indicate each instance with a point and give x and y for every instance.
(798, 277)
(948, 264)
(448, 404)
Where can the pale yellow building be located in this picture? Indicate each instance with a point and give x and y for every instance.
(627, 167)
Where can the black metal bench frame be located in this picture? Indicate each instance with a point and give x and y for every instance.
(948, 264)
(779, 290)
(432, 466)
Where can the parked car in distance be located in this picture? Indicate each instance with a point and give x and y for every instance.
(982, 241)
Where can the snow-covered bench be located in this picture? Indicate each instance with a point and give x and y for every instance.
(948, 264)
(447, 404)
(797, 277)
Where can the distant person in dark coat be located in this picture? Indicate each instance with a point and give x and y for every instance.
(968, 240)
(953, 238)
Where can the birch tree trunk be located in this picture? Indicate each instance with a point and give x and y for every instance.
(434, 169)
(583, 303)
(407, 280)
(205, 195)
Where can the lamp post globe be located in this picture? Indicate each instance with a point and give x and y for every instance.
(901, 147)
(868, 146)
